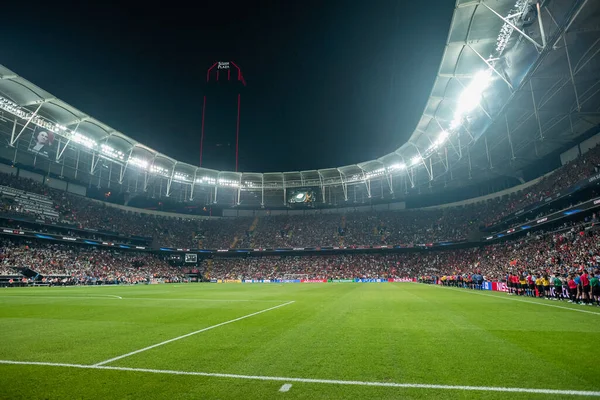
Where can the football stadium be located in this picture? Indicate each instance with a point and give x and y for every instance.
(463, 264)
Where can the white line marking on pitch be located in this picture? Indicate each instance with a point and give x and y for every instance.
(98, 296)
(310, 380)
(286, 387)
(190, 334)
(101, 296)
(514, 299)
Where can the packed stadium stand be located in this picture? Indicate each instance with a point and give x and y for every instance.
(519, 128)
(30, 198)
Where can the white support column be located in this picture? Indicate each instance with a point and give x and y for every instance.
(170, 180)
(262, 190)
(124, 168)
(344, 185)
(193, 185)
(77, 163)
(487, 152)
(14, 138)
(535, 110)
(60, 153)
(390, 181)
(215, 200)
(322, 185)
(571, 74)
(14, 130)
(541, 23)
(469, 158)
(512, 150)
(284, 190)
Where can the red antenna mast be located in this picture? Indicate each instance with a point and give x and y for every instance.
(222, 71)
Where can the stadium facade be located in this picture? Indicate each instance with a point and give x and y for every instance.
(517, 81)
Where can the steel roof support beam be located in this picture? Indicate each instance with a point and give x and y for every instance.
(77, 162)
(512, 150)
(322, 185)
(193, 185)
(60, 153)
(470, 166)
(147, 173)
(579, 67)
(508, 22)
(366, 181)
(492, 68)
(124, 168)
(284, 190)
(570, 22)
(487, 152)
(170, 180)
(390, 181)
(541, 23)
(262, 190)
(14, 138)
(571, 73)
(344, 185)
(535, 110)
(95, 160)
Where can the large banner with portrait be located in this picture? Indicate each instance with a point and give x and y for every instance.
(42, 142)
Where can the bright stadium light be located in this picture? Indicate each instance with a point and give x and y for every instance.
(138, 162)
(111, 152)
(207, 180)
(442, 138)
(83, 140)
(471, 96)
(396, 167)
(415, 160)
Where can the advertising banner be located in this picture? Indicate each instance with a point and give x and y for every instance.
(342, 280)
(487, 286)
(499, 287)
(313, 281)
(401, 280)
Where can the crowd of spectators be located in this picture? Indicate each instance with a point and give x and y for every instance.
(563, 253)
(316, 230)
(84, 265)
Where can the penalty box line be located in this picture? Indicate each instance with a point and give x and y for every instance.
(310, 380)
(190, 334)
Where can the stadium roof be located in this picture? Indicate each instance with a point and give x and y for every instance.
(517, 80)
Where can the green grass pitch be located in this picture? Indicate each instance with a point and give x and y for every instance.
(346, 336)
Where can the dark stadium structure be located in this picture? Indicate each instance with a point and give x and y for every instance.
(517, 82)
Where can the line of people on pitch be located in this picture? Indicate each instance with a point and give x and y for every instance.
(575, 287)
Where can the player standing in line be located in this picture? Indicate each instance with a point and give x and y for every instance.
(522, 283)
(572, 289)
(546, 284)
(585, 287)
(557, 287)
(539, 286)
(577, 280)
(530, 285)
(595, 289)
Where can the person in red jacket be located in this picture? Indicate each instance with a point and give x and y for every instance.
(585, 287)
(572, 289)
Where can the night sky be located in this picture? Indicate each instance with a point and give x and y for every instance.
(329, 83)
